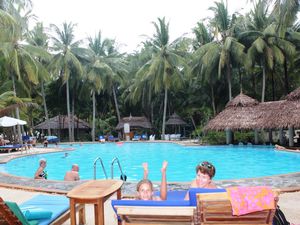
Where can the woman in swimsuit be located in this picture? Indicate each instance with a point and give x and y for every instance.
(41, 173)
(205, 171)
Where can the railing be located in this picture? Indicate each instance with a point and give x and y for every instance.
(123, 176)
(95, 162)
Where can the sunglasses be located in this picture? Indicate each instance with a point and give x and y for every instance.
(206, 165)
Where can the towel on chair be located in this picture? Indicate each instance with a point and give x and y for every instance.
(245, 200)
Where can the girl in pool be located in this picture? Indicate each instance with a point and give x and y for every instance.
(145, 187)
(205, 171)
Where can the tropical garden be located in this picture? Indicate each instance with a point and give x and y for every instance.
(47, 71)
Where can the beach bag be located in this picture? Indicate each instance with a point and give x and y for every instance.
(279, 218)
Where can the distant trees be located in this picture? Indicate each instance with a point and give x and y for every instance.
(257, 52)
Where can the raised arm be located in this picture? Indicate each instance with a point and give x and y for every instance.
(146, 171)
(163, 185)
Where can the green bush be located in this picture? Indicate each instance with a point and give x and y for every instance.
(214, 138)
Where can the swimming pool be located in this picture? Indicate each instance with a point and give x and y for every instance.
(232, 162)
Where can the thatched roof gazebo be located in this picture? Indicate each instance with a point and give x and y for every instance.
(239, 114)
(245, 113)
(134, 122)
(174, 119)
(62, 122)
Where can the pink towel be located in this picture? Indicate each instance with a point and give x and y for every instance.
(250, 199)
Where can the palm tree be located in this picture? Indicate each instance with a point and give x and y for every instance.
(98, 70)
(38, 37)
(285, 15)
(229, 48)
(65, 60)
(19, 58)
(266, 48)
(166, 68)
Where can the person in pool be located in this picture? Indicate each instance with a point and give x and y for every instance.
(145, 187)
(41, 173)
(73, 174)
(205, 171)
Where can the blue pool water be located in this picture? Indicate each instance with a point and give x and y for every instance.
(232, 162)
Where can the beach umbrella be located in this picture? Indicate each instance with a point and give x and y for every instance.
(9, 121)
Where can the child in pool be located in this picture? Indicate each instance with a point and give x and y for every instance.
(145, 186)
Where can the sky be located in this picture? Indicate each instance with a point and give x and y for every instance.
(127, 21)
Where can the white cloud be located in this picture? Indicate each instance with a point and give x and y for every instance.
(126, 20)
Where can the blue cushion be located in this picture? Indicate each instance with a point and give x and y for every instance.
(193, 193)
(173, 195)
(33, 213)
(57, 204)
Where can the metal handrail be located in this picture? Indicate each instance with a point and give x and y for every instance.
(99, 158)
(112, 167)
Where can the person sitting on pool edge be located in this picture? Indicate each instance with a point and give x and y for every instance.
(205, 171)
(145, 187)
(73, 174)
(41, 173)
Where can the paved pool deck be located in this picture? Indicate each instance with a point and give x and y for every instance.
(285, 182)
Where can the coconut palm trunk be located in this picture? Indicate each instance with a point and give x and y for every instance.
(116, 103)
(68, 110)
(263, 84)
(213, 99)
(228, 70)
(94, 116)
(45, 105)
(17, 110)
(73, 117)
(165, 113)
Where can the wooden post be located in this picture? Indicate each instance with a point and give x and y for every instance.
(291, 136)
(281, 139)
(270, 136)
(228, 136)
(255, 136)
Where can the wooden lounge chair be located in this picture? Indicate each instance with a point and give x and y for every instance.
(164, 215)
(215, 209)
(175, 211)
(11, 214)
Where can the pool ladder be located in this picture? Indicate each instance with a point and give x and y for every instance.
(122, 177)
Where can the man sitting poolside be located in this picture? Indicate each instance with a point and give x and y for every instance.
(73, 174)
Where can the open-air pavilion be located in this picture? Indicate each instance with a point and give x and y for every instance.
(135, 123)
(59, 125)
(176, 122)
(245, 113)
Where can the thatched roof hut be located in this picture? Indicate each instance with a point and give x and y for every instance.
(242, 101)
(134, 121)
(244, 113)
(239, 114)
(62, 122)
(294, 95)
(174, 119)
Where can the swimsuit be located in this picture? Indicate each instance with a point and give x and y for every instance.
(43, 174)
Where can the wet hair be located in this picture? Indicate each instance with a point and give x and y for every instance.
(144, 181)
(206, 168)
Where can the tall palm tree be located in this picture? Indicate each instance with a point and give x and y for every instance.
(285, 15)
(230, 49)
(266, 48)
(38, 37)
(166, 68)
(99, 71)
(19, 57)
(65, 60)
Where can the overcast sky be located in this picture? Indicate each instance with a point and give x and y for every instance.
(127, 20)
